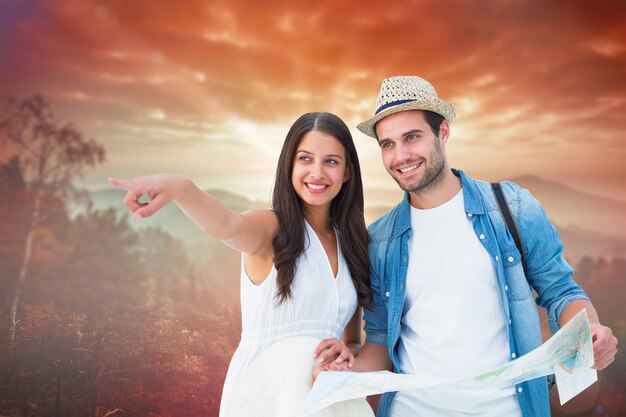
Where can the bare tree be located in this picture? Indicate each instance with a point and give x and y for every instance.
(51, 155)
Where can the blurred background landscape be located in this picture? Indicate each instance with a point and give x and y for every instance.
(101, 315)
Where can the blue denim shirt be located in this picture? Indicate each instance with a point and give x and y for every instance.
(548, 274)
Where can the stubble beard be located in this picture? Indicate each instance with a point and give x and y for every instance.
(433, 174)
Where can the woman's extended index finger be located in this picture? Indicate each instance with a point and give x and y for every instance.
(131, 199)
(125, 185)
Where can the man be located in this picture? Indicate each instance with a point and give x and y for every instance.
(450, 297)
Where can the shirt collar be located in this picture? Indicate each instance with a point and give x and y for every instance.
(471, 196)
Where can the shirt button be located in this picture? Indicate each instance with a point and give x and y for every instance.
(513, 355)
(509, 321)
(481, 236)
(506, 288)
(511, 259)
(387, 294)
(519, 389)
(497, 258)
(470, 214)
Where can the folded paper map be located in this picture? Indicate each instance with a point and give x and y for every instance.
(570, 350)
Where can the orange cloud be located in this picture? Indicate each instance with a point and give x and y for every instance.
(534, 82)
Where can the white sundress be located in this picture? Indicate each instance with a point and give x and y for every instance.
(321, 306)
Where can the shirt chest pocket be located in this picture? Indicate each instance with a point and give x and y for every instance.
(516, 286)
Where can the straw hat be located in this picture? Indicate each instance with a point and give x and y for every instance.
(278, 381)
(406, 93)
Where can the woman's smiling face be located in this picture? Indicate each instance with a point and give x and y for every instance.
(319, 169)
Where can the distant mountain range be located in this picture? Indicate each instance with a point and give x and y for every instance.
(588, 225)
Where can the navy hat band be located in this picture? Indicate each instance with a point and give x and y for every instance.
(393, 103)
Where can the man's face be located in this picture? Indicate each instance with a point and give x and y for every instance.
(411, 153)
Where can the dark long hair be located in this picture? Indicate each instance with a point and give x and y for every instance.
(346, 209)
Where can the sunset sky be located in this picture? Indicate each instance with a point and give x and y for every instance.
(209, 89)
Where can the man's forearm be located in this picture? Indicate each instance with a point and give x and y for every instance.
(574, 307)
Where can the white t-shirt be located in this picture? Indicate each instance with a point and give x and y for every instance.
(452, 323)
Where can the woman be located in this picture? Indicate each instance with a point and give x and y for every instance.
(304, 263)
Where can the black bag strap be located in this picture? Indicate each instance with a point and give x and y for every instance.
(509, 221)
(512, 227)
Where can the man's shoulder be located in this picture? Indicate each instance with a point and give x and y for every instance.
(510, 189)
(518, 197)
(520, 201)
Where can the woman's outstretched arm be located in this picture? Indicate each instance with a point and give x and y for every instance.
(250, 232)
